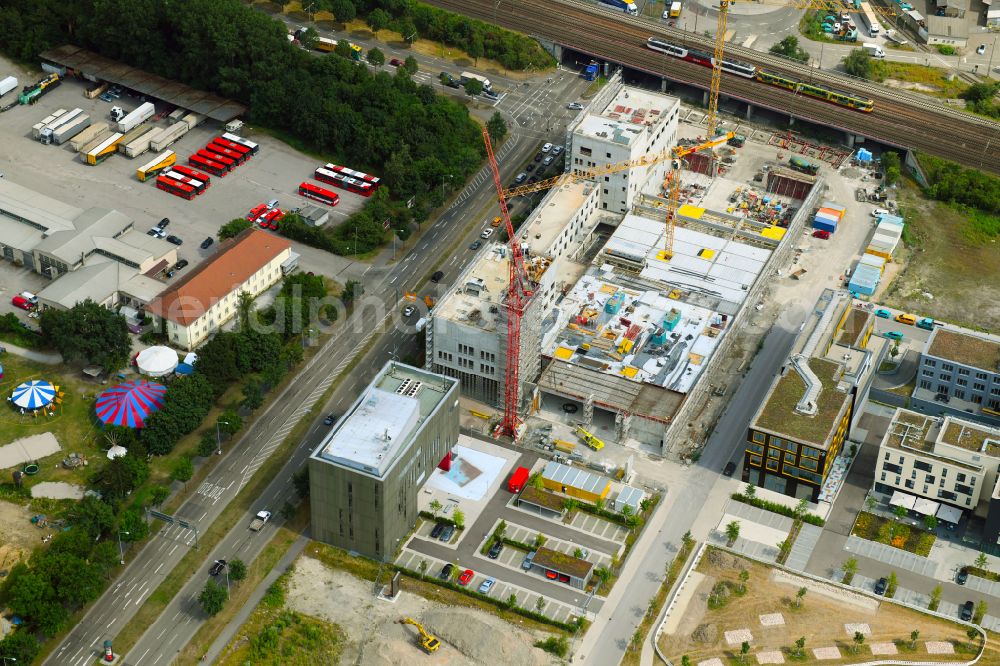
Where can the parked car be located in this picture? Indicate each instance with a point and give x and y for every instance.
(520, 178)
(879, 211)
(821, 234)
(156, 232)
(395, 62)
(20, 302)
(408, 311)
(563, 578)
(965, 612)
(436, 532)
(180, 264)
(548, 160)
(574, 106)
(466, 577)
(893, 335)
(963, 576)
(538, 157)
(557, 151)
(880, 585)
(207, 243)
(273, 203)
(495, 550)
(446, 571)
(547, 147)
(528, 561)
(486, 233)
(981, 49)
(330, 419)
(486, 586)
(476, 244)
(163, 223)
(256, 212)
(447, 533)
(530, 167)
(175, 240)
(217, 567)
(882, 313)
(729, 469)
(437, 276)
(551, 575)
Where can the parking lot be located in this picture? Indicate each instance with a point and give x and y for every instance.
(274, 173)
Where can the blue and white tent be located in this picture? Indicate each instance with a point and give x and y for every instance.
(34, 394)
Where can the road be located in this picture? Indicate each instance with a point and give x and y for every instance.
(147, 568)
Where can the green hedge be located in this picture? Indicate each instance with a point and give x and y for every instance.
(438, 519)
(810, 518)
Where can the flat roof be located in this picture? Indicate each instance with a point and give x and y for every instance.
(611, 391)
(980, 350)
(20, 203)
(543, 498)
(857, 322)
(552, 215)
(575, 477)
(910, 430)
(382, 423)
(627, 116)
(562, 562)
(778, 415)
(971, 436)
(210, 105)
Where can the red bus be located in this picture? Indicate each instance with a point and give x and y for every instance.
(219, 149)
(215, 157)
(211, 166)
(343, 182)
(173, 187)
(319, 194)
(374, 181)
(240, 140)
(192, 173)
(232, 145)
(199, 186)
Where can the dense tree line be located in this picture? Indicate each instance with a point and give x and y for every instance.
(372, 122)
(955, 184)
(87, 332)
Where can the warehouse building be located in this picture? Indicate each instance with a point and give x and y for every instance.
(797, 435)
(365, 475)
(959, 374)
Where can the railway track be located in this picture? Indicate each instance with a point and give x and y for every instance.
(900, 118)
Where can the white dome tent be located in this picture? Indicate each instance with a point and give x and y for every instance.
(156, 361)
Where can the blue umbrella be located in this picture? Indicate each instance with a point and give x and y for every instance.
(33, 394)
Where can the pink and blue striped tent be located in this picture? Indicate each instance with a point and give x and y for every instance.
(129, 403)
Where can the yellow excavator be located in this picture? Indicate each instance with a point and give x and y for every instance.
(428, 643)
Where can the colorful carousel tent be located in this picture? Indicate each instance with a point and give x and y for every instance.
(156, 361)
(33, 395)
(129, 403)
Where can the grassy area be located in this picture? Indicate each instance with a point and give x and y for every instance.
(893, 533)
(594, 87)
(820, 617)
(961, 274)
(933, 81)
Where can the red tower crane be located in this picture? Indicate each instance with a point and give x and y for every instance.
(518, 293)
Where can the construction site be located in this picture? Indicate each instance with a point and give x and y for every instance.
(622, 316)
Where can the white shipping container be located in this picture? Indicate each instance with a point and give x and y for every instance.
(88, 135)
(67, 132)
(140, 115)
(131, 136)
(63, 119)
(8, 84)
(36, 131)
(168, 136)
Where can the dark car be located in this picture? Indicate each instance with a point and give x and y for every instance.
(395, 62)
(175, 240)
(446, 571)
(476, 245)
(207, 243)
(880, 585)
(330, 419)
(180, 264)
(730, 468)
(163, 223)
(495, 550)
(436, 532)
(172, 272)
(530, 167)
(538, 157)
(447, 533)
(217, 567)
(965, 611)
(437, 276)
(963, 576)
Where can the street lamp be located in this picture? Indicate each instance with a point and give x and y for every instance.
(121, 549)
(218, 437)
(8, 659)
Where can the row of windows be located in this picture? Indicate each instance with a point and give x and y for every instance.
(466, 349)
(948, 367)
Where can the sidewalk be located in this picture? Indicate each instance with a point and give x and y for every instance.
(51, 358)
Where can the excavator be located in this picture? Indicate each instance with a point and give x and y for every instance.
(427, 643)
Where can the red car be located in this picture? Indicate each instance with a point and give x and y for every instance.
(21, 302)
(466, 577)
(256, 212)
(550, 574)
(395, 62)
(823, 235)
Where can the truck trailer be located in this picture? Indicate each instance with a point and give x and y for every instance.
(88, 135)
(132, 136)
(104, 149)
(627, 6)
(168, 136)
(36, 129)
(45, 135)
(69, 130)
(134, 119)
(193, 120)
(8, 84)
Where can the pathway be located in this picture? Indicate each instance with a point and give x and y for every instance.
(50, 358)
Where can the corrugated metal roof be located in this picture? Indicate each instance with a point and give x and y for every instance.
(630, 496)
(872, 260)
(865, 276)
(889, 229)
(215, 107)
(575, 477)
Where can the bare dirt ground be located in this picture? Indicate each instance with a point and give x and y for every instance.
(821, 619)
(374, 638)
(963, 279)
(17, 535)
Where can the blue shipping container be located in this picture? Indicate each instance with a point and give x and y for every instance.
(824, 225)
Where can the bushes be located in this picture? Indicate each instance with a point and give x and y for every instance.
(778, 508)
(557, 645)
(956, 184)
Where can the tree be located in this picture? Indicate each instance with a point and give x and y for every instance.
(599, 504)
(540, 540)
(744, 577)
(377, 20)
(784, 549)
(229, 422)
(92, 516)
(914, 635)
(473, 87)
(930, 522)
(352, 289)
(120, 476)
(981, 608)
(237, 570)
(158, 495)
(871, 502)
(512, 601)
(435, 506)
(858, 63)
(935, 598)
(343, 10)
(88, 332)
(687, 540)
(789, 47)
(578, 553)
(459, 518)
(213, 597)
(232, 228)
(496, 126)
(21, 646)
(645, 504)
(301, 482)
(344, 50)
(973, 634)
(899, 512)
(410, 65)
(105, 556)
(981, 561)
(540, 604)
(376, 57)
(891, 165)
(800, 647)
(182, 470)
(132, 522)
(891, 584)
(750, 491)
(859, 640)
(799, 596)
(849, 567)
(685, 661)
(733, 532)
(253, 395)
(744, 651)
(208, 444)
(894, 351)
(800, 508)
(603, 574)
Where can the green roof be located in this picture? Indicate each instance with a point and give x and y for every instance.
(778, 414)
(562, 563)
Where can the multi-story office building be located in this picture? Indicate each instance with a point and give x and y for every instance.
(365, 476)
(806, 417)
(941, 466)
(959, 374)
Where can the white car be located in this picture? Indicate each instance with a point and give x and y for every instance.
(409, 310)
(557, 151)
(981, 49)
(575, 106)
(486, 233)
(272, 204)
(157, 232)
(879, 211)
(547, 147)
